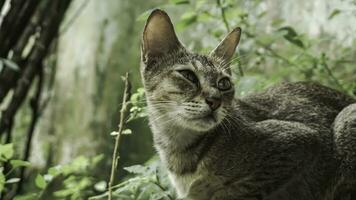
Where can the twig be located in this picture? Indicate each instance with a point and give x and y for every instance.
(331, 74)
(223, 15)
(115, 156)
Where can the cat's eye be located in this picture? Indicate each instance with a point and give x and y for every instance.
(189, 75)
(224, 84)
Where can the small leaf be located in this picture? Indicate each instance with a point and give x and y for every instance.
(179, 2)
(158, 196)
(40, 182)
(137, 169)
(19, 163)
(100, 186)
(97, 159)
(6, 151)
(11, 64)
(54, 171)
(277, 22)
(12, 180)
(114, 133)
(334, 13)
(291, 35)
(32, 196)
(127, 132)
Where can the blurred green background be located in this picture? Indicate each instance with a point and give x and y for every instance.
(282, 40)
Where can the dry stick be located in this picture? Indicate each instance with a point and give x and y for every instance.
(115, 156)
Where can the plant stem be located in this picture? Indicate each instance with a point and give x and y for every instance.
(223, 15)
(115, 156)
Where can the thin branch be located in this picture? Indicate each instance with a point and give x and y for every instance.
(223, 15)
(115, 156)
(332, 76)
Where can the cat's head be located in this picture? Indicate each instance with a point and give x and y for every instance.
(185, 89)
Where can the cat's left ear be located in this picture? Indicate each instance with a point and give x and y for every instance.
(226, 49)
(159, 38)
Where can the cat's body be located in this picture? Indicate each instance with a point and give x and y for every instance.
(283, 143)
(283, 133)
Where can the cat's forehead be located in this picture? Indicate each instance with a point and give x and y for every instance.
(206, 64)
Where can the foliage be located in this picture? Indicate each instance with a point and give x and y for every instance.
(6, 157)
(149, 183)
(71, 181)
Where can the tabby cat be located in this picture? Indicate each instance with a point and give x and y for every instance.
(294, 141)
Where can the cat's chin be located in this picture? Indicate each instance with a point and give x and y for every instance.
(201, 124)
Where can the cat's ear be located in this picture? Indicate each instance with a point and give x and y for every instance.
(159, 37)
(226, 49)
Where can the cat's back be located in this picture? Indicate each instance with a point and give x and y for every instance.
(305, 102)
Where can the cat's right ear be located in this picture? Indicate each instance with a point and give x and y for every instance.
(226, 49)
(159, 37)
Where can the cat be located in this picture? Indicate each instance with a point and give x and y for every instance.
(293, 141)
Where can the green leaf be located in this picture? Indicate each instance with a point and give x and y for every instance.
(6, 151)
(19, 163)
(137, 169)
(12, 180)
(179, 2)
(32, 196)
(277, 22)
(291, 35)
(114, 133)
(40, 182)
(11, 64)
(55, 171)
(158, 196)
(97, 159)
(100, 186)
(334, 13)
(2, 181)
(127, 132)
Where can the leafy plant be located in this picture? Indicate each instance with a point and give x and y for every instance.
(148, 183)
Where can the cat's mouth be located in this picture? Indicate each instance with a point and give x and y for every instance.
(210, 117)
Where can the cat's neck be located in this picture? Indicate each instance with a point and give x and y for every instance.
(169, 136)
(179, 148)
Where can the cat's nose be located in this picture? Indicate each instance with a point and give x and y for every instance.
(213, 103)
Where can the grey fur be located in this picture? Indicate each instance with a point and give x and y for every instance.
(294, 141)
